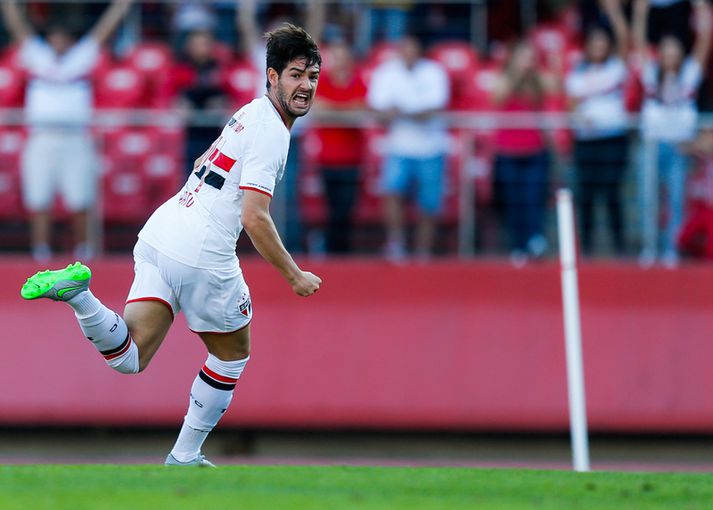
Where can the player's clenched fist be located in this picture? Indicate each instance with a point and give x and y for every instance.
(306, 283)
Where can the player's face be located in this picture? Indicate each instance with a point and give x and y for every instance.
(296, 87)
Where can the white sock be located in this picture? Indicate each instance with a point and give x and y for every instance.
(211, 394)
(107, 331)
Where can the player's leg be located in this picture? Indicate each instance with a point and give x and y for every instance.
(211, 392)
(126, 348)
(148, 322)
(215, 303)
(103, 327)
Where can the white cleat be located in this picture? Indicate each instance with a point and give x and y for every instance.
(199, 461)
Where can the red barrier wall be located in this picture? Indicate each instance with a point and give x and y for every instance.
(445, 345)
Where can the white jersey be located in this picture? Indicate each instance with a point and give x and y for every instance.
(201, 224)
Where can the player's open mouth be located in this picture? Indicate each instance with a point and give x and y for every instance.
(301, 99)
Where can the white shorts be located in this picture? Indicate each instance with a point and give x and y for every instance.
(213, 301)
(54, 162)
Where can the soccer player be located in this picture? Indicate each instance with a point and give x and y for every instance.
(185, 256)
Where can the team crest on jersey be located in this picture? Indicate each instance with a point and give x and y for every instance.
(246, 308)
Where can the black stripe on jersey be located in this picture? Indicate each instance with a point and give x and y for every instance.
(200, 172)
(215, 180)
(215, 384)
(114, 351)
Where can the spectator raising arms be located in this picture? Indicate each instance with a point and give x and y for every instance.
(669, 118)
(341, 149)
(59, 155)
(522, 159)
(595, 88)
(409, 92)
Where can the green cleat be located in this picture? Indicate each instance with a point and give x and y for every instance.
(60, 285)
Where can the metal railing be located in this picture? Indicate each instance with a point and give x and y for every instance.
(640, 190)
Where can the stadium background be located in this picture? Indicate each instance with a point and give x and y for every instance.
(458, 359)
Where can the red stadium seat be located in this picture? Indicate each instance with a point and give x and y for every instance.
(151, 58)
(478, 90)
(169, 140)
(456, 56)
(154, 61)
(241, 81)
(120, 86)
(128, 143)
(125, 191)
(164, 166)
(460, 60)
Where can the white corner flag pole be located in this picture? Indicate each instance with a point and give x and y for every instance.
(572, 332)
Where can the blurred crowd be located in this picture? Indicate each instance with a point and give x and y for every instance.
(385, 161)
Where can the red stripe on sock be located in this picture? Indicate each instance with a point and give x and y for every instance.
(109, 357)
(218, 377)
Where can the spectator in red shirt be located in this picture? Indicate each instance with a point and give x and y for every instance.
(522, 156)
(340, 89)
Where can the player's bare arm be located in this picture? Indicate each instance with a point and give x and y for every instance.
(261, 229)
(14, 21)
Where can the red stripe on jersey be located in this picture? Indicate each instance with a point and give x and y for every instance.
(218, 377)
(223, 162)
(256, 189)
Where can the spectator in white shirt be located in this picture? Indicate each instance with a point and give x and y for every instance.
(409, 93)
(668, 119)
(59, 154)
(595, 89)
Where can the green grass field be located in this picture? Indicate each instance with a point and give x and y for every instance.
(343, 488)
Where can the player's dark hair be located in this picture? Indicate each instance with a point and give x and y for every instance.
(287, 43)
